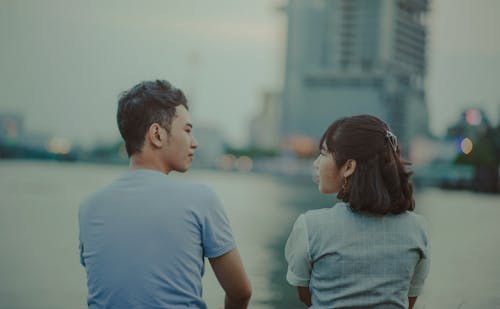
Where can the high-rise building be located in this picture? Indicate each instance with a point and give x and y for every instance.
(264, 127)
(347, 57)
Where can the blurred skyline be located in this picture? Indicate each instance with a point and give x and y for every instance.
(63, 63)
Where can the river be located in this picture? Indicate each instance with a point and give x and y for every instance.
(39, 266)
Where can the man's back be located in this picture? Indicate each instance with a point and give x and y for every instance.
(143, 240)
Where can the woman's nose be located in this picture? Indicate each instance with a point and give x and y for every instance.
(315, 163)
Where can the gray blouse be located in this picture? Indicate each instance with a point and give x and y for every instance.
(356, 260)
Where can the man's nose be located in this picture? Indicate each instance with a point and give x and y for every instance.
(194, 143)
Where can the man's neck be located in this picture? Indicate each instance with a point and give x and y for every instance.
(141, 161)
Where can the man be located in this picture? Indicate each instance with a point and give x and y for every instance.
(143, 238)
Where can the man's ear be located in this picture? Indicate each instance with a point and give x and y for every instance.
(349, 168)
(156, 135)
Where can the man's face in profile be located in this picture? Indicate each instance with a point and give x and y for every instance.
(179, 152)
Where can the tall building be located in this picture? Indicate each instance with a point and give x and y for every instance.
(347, 57)
(264, 127)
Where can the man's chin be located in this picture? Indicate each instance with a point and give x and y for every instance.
(183, 169)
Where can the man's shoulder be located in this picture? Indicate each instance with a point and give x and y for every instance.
(94, 197)
(159, 188)
(190, 189)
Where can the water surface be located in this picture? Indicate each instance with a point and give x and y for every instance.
(39, 266)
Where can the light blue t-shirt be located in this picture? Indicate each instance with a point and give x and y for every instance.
(352, 260)
(143, 240)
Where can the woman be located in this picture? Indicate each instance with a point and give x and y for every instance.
(370, 250)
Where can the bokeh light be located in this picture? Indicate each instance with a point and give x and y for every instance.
(59, 146)
(473, 117)
(466, 146)
(226, 162)
(244, 164)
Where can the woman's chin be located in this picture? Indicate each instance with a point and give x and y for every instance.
(325, 190)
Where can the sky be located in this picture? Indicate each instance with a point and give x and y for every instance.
(63, 63)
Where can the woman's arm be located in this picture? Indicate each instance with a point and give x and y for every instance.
(411, 301)
(304, 295)
(299, 260)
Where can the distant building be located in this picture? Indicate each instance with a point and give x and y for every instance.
(428, 150)
(11, 127)
(472, 123)
(348, 57)
(35, 140)
(460, 138)
(264, 127)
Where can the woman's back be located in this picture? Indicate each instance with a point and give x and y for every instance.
(359, 260)
(370, 251)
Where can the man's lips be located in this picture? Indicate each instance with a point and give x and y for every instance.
(315, 178)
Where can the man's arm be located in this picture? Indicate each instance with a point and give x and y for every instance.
(229, 270)
(304, 295)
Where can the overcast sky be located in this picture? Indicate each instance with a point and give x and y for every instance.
(64, 62)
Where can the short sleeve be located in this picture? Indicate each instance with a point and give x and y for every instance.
(422, 267)
(80, 242)
(217, 236)
(82, 260)
(297, 255)
(419, 275)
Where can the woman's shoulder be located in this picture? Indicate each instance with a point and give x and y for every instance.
(415, 218)
(420, 222)
(410, 222)
(338, 210)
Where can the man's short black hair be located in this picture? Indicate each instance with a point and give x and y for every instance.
(144, 104)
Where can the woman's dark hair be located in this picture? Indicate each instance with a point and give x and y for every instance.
(380, 184)
(144, 104)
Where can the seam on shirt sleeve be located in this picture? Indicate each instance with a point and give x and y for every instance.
(296, 241)
(221, 251)
(415, 290)
(295, 280)
(307, 239)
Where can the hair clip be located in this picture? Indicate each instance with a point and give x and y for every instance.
(393, 140)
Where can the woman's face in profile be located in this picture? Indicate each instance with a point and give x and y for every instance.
(326, 173)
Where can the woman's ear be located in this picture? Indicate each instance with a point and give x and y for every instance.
(349, 168)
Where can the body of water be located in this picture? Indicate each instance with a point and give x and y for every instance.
(39, 265)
